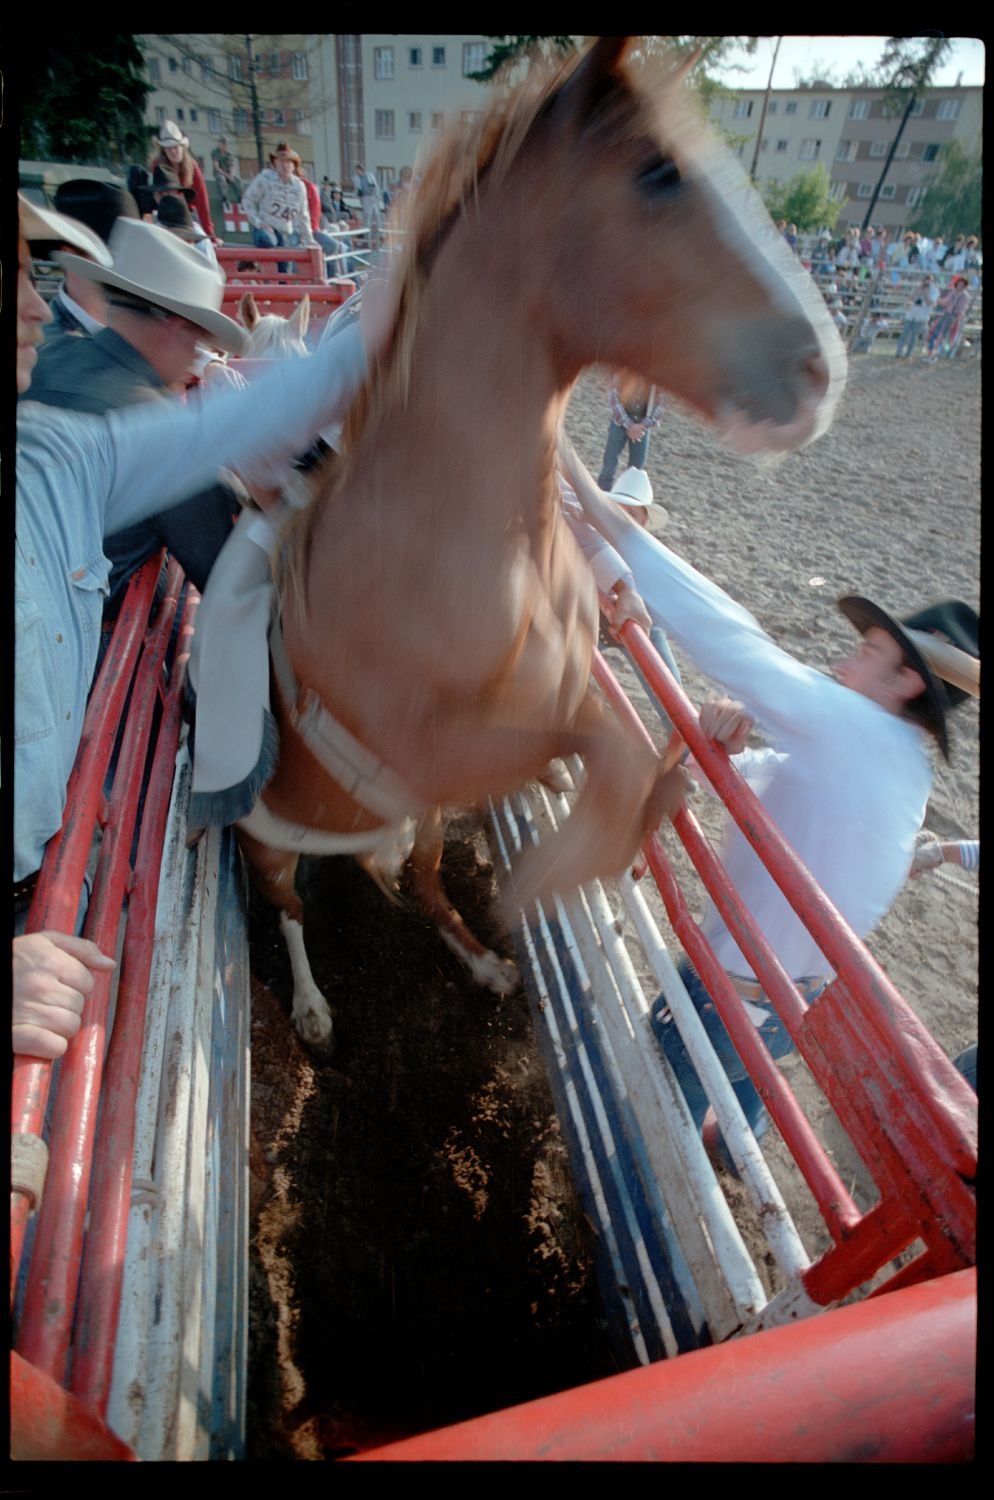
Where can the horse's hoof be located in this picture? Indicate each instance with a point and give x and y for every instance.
(495, 973)
(314, 1027)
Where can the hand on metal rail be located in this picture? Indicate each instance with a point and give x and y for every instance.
(53, 974)
(726, 721)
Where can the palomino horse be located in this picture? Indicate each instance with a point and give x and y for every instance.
(273, 337)
(437, 617)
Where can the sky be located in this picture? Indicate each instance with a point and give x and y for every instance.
(842, 53)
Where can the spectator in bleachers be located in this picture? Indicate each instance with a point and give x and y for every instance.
(974, 258)
(335, 249)
(955, 259)
(275, 204)
(931, 259)
(916, 318)
(174, 155)
(174, 214)
(370, 202)
(869, 328)
(226, 178)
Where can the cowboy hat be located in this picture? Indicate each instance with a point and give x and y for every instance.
(152, 264)
(284, 150)
(43, 224)
(164, 180)
(98, 205)
(635, 489)
(940, 642)
(171, 135)
(174, 215)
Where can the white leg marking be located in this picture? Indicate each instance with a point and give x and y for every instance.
(494, 973)
(311, 1015)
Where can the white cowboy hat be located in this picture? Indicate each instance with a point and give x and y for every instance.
(45, 224)
(635, 488)
(171, 135)
(153, 264)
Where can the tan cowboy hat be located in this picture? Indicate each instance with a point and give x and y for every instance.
(284, 150)
(171, 135)
(634, 488)
(44, 224)
(153, 264)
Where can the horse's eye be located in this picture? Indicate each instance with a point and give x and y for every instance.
(661, 176)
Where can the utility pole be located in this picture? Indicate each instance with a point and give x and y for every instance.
(254, 95)
(918, 72)
(762, 117)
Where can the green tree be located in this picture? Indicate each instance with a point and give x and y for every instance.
(508, 51)
(908, 63)
(953, 204)
(83, 97)
(805, 200)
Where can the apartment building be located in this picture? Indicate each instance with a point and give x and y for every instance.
(337, 100)
(851, 133)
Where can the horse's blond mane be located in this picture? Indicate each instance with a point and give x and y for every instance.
(447, 187)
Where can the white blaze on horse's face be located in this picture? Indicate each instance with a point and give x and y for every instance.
(756, 413)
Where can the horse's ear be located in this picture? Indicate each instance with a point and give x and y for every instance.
(301, 316)
(597, 76)
(248, 311)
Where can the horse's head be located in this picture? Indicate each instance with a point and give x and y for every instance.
(636, 242)
(273, 337)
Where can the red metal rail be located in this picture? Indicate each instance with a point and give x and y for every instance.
(308, 263)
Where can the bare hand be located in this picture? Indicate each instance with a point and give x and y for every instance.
(636, 433)
(628, 605)
(727, 722)
(53, 974)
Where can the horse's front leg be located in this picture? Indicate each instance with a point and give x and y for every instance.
(489, 969)
(274, 873)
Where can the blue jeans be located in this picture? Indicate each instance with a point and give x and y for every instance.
(272, 239)
(617, 437)
(910, 334)
(774, 1034)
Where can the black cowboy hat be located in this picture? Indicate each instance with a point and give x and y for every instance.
(165, 181)
(96, 204)
(174, 214)
(949, 623)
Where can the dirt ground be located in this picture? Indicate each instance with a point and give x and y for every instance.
(418, 1253)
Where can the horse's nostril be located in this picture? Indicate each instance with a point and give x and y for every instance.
(817, 371)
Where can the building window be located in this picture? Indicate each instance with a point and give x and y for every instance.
(207, 70)
(382, 62)
(948, 109)
(865, 190)
(414, 57)
(275, 63)
(173, 65)
(303, 122)
(438, 57)
(763, 144)
(387, 176)
(384, 124)
(903, 147)
(414, 119)
(845, 151)
(859, 109)
(918, 108)
(154, 71)
(916, 195)
(771, 108)
(437, 120)
(187, 65)
(234, 68)
(888, 190)
(179, 114)
(278, 118)
(781, 145)
(809, 150)
(214, 121)
(194, 117)
(474, 55)
(838, 191)
(790, 108)
(819, 108)
(931, 152)
(160, 114)
(240, 122)
(743, 109)
(470, 116)
(300, 66)
(879, 148)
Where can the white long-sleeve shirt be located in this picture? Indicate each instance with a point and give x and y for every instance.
(846, 782)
